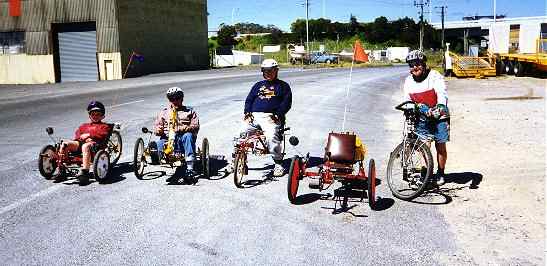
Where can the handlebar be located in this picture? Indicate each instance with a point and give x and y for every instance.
(400, 106)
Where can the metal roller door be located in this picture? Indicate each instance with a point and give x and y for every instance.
(78, 56)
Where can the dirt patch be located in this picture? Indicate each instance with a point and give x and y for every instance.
(496, 170)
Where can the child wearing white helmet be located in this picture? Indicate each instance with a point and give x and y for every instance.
(266, 106)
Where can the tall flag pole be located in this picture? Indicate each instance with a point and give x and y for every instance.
(360, 56)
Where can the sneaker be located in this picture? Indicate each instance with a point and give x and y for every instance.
(278, 170)
(440, 180)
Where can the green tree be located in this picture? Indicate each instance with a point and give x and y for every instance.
(226, 35)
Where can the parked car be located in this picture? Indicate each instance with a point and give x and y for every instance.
(323, 57)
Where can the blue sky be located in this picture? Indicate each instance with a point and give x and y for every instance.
(283, 12)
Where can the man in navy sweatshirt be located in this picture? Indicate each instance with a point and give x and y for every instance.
(266, 106)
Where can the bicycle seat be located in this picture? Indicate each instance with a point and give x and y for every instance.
(341, 148)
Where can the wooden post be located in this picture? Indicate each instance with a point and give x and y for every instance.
(128, 64)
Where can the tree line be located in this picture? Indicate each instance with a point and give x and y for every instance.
(400, 32)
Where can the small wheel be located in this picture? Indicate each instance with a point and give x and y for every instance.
(115, 146)
(240, 168)
(139, 160)
(205, 160)
(328, 62)
(101, 166)
(153, 152)
(47, 161)
(371, 184)
(295, 174)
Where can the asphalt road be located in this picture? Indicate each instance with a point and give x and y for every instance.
(148, 222)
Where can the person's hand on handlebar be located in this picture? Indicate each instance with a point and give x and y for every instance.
(248, 117)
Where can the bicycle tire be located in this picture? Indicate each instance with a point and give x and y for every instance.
(240, 163)
(395, 159)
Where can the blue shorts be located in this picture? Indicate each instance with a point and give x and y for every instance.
(438, 130)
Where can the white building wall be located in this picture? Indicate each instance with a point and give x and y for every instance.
(528, 35)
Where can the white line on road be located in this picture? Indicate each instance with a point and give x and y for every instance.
(122, 104)
(32, 197)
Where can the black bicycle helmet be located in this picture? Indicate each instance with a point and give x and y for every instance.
(96, 106)
(174, 93)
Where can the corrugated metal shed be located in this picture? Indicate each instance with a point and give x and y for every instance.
(38, 15)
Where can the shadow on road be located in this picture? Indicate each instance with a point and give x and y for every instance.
(464, 178)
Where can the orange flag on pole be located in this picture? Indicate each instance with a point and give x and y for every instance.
(15, 8)
(359, 54)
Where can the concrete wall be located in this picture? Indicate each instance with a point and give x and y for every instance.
(170, 35)
(26, 69)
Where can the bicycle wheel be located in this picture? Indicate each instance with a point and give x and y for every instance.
(371, 182)
(115, 147)
(409, 169)
(240, 169)
(139, 159)
(295, 174)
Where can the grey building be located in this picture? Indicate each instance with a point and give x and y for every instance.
(45, 41)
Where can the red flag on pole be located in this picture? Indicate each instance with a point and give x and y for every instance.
(359, 54)
(15, 8)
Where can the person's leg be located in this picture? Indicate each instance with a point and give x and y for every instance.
(271, 129)
(441, 137)
(86, 157)
(188, 142)
(66, 147)
(160, 144)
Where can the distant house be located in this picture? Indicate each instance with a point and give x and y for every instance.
(47, 41)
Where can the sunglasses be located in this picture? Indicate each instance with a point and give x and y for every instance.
(412, 64)
(268, 70)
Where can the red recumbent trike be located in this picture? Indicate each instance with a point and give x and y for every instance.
(343, 152)
(105, 155)
(250, 143)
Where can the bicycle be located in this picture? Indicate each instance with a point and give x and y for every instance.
(410, 164)
(251, 143)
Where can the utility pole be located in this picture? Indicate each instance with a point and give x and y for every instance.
(307, 29)
(443, 8)
(420, 4)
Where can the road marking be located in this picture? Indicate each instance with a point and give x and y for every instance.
(32, 197)
(122, 104)
(221, 118)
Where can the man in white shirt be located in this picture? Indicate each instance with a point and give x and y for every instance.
(427, 88)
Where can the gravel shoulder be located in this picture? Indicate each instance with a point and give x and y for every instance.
(496, 171)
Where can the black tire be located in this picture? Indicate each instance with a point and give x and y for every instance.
(205, 159)
(101, 166)
(502, 67)
(240, 169)
(499, 67)
(47, 161)
(508, 67)
(371, 184)
(519, 68)
(328, 61)
(295, 174)
(415, 172)
(153, 152)
(139, 159)
(115, 145)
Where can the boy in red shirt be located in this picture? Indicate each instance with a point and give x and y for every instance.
(87, 135)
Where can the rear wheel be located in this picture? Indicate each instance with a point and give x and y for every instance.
(371, 184)
(205, 161)
(101, 166)
(409, 169)
(508, 67)
(47, 161)
(240, 169)
(519, 68)
(139, 160)
(115, 146)
(295, 174)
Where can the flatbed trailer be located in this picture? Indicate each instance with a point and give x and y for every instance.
(522, 64)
